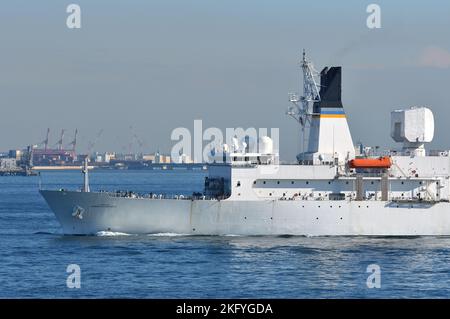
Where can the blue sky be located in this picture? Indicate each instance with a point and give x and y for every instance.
(158, 65)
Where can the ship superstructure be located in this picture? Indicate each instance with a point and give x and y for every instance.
(334, 189)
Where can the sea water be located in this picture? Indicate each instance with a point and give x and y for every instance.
(34, 255)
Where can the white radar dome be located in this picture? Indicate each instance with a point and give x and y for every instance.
(248, 144)
(265, 145)
(414, 125)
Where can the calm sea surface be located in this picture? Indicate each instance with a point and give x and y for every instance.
(34, 254)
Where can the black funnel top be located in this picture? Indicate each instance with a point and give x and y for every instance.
(330, 88)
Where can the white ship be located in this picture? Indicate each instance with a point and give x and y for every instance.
(334, 189)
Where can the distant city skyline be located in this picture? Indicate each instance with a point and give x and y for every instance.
(139, 69)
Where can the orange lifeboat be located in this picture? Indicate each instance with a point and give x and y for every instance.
(380, 162)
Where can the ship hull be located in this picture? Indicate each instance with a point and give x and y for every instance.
(102, 212)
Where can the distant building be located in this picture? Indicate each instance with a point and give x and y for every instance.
(148, 157)
(98, 158)
(17, 154)
(53, 157)
(109, 156)
(8, 164)
(160, 158)
(184, 159)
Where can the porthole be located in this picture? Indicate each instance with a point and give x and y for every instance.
(292, 182)
(307, 182)
(264, 182)
(254, 182)
(238, 184)
(278, 182)
(270, 194)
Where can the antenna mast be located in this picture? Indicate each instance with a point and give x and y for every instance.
(301, 109)
(302, 106)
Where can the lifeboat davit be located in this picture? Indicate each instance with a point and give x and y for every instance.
(380, 162)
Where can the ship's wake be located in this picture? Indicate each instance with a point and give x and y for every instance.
(110, 234)
(167, 234)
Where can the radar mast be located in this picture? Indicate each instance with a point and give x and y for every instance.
(302, 106)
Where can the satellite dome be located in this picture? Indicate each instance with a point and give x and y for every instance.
(265, 145)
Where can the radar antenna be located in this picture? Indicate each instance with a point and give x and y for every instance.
(302, 106)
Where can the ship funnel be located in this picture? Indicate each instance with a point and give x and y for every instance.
(330, 140)
(330, 88)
